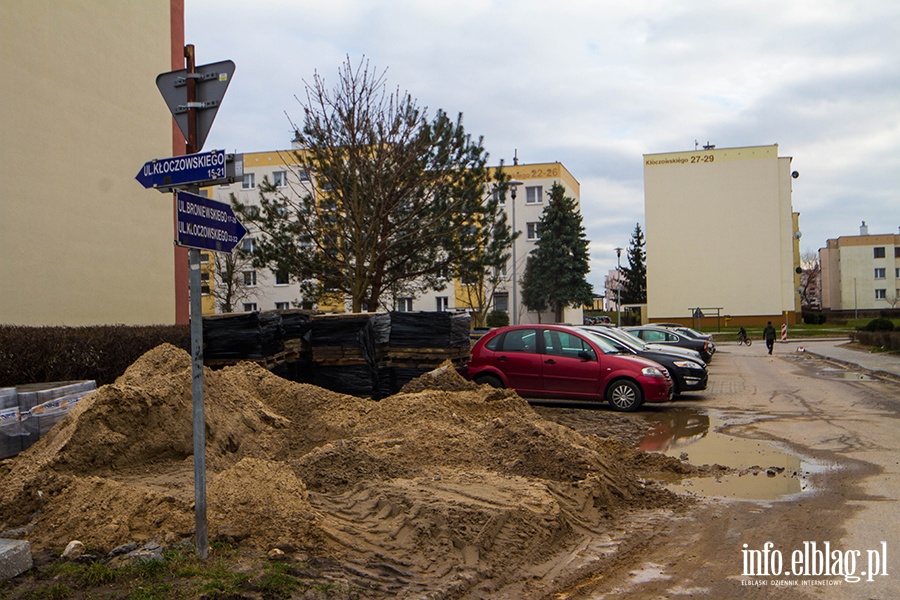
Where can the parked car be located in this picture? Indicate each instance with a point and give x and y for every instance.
(559, 361)
(661, 335)
(692, 333)
(688, 375)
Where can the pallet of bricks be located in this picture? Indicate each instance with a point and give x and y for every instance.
(370, 355)
(267, 338)
(374, 355)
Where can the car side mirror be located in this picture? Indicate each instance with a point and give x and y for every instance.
(584, 355)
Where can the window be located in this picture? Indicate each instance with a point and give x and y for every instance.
(500, 271)
(303, 174)
(879, 273)
(204, 257)
(879, 252)
(404, 304)
(561, 343)
(534, 194)
(204, 283)
(249, 306)
(880, 294)
(282, 305)
(499, 198)
(501, 302)
(248, 245)
(279, 178)
(897, 273)
(249, 181)
(442, 302)
(532, 233)
(250, 278)
(281, 277)
(897, 252)
(520, 340)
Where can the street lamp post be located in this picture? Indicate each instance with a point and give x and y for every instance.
(618, 287)
(513, 185)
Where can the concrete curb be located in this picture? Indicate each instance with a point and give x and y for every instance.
(15, 558)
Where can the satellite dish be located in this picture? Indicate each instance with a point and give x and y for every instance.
(795, 174)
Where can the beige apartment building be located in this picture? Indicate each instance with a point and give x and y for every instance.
(266, 290)
(721, 236)
(861, 272)
(81, 242)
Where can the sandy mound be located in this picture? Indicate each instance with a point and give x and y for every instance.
(435, 488)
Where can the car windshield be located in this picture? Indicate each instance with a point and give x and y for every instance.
(606, 347)
(628, 338)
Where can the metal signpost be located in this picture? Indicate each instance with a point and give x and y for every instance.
(193, 95)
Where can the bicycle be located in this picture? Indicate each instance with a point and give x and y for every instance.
(744, 339)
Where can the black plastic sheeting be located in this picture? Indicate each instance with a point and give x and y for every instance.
(355, 380)
(296, 325)
(344, 331)
(244, 335)
(429, 329)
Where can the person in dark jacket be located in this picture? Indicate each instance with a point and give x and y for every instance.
(769, 335)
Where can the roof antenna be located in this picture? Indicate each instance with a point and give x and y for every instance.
(516, 156)
(709, 146)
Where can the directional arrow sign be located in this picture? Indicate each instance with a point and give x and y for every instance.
(206, 224)
(182, 170)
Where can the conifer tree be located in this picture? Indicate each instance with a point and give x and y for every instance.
(634, 276)
(557, 269)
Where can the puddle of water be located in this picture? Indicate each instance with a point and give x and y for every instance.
(764, 471)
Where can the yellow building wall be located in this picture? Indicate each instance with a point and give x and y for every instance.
(81, 242)
(720, 234)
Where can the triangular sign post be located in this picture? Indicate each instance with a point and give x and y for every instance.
(212, 81)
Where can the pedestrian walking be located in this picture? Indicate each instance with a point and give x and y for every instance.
(769, 335)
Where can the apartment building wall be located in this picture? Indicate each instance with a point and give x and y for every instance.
(264, 288)
(535, 179)
(531, 197)
(81, 242)
(721, 235)
(860, 272)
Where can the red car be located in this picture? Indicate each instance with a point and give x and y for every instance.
(556, 361)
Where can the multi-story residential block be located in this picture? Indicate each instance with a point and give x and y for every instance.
(861, 272)
(81, 242)
(265, 290)
(721, 236)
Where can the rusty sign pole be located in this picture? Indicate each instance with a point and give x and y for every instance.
(199, 419)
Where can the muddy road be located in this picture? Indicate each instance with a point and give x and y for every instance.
(809, 507)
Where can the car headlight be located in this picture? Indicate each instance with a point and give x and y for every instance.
(687, 364)
(652, 372)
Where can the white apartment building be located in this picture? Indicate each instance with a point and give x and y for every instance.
(861, 272)
(270, 291)
(721, 236)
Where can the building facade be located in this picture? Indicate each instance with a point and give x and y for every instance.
(81, 242)
(266, 290)
(721, 236)
(861, 272)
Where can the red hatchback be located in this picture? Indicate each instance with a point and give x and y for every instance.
(556, 361)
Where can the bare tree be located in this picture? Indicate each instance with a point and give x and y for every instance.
(388, 199)
(229, 288)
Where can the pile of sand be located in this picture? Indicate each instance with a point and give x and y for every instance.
(444, 486)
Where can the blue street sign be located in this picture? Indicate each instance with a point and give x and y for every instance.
(183, 170)
(206, 224)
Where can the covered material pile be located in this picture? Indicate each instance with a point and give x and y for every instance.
(444, 488)
(370, 355)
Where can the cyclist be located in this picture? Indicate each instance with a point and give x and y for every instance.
(742, 335)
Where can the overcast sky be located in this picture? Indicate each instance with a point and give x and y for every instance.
(597, 84)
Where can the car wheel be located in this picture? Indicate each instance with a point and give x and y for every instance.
(625, 395)
(489, 380)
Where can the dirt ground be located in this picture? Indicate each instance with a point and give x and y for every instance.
(446, 490)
